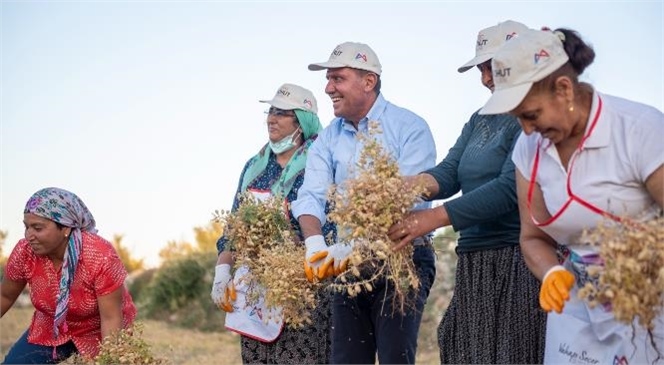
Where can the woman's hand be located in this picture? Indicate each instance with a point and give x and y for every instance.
(556, 286)
(223, 289)
(417, 224)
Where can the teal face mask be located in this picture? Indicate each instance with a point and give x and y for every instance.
(285, 144)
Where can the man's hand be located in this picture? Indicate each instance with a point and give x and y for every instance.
(316, 251)
(555, 289)
(336, 261)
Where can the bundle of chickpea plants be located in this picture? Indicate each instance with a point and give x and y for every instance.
(123, 347)
(260, 238)
(631, 280)
(363, 208)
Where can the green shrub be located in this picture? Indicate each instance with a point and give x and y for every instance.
(139, 283)
(179, 293)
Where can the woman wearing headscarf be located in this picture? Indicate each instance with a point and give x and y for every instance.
(278, 170)
(76, 281)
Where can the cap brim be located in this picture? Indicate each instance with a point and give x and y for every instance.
(505, 100)
(474, 62)
(326, 65)
(280, 104)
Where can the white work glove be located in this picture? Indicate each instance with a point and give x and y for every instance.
(313, 258)
(337, 259)
(223, 290)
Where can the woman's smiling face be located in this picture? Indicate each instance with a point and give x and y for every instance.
(44, 235)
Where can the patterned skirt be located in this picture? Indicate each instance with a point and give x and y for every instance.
(307, 345)
(494, 315)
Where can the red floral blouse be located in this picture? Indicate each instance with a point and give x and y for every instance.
(99, 272)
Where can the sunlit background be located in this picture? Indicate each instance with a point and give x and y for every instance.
(148, 110)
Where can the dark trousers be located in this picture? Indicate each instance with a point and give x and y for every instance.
(366, 324)
(23, 352)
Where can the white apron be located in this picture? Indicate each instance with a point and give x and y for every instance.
(581, 335)
(256, 321)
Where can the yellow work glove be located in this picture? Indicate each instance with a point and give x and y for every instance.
(223, 289)
(555, 289)
(313, 258)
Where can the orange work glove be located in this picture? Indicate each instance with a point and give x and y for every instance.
(555, 289)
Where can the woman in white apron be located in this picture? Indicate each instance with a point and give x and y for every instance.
(584, 157)
(277, 169)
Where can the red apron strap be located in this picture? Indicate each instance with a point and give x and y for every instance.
(531, 188)
(570, 193)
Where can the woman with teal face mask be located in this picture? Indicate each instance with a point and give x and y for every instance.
(278, 169)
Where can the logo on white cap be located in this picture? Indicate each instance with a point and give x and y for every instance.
(520, 63)
(489, 40)
(540, 54)
(351, 54)
(290, 96)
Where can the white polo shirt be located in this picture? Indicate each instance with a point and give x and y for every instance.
(625, 147)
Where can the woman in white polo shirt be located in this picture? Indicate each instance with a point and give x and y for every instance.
(583, 156)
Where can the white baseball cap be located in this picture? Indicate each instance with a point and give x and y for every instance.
(290, 96)
(353, 55)
(489, 40)
(520, 63)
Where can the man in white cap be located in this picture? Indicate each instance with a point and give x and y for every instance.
(277, 169)
(493, 317)
(364, 326)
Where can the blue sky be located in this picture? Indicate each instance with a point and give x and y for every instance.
(148, 110)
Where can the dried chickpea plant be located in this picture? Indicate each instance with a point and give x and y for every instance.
(260, 237)
(123, 347)
(363, 208)
(631, 281)
(287, 287)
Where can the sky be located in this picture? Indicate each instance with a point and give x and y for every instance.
(148, 110)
